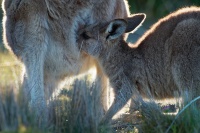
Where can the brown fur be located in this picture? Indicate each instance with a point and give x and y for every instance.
(166, 59)
(42, 34)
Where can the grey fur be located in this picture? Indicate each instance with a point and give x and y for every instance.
(42, 34)
(166, 59)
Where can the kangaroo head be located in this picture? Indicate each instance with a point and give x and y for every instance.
(96, 38)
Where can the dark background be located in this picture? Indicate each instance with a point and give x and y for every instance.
(154, 9)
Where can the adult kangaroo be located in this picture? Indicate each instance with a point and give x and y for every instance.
(42, 35)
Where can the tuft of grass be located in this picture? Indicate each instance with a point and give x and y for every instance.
(77, 110)
(10, 70)
(185, 121)
(190, 114)
(82, 111)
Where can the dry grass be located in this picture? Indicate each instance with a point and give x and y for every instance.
(10, 70)
(75, 110)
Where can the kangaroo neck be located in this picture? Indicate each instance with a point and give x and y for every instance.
(116, 59)
(112, 53)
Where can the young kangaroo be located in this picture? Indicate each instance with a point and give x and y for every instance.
(42, 34)
(166, 59)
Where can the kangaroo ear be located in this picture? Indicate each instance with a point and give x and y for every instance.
(115, 29)
(135, 21)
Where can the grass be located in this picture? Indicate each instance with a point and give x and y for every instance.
(10, 70)
(186, 121)
(78, 109)
(71, 112)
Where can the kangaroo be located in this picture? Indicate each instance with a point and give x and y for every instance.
(164, 60)
(42, 35)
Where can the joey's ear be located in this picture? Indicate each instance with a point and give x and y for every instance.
(115, 29)
(134, 21)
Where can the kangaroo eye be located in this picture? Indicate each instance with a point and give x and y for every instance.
(85, 35)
